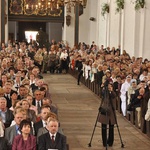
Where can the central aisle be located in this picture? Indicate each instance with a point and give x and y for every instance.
(78, 110)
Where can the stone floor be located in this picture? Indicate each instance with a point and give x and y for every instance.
(78, 110)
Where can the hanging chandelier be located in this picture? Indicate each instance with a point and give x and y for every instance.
(42, 7)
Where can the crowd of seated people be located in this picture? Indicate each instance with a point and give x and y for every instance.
(26, 109)
(23, 87)
(130, 75)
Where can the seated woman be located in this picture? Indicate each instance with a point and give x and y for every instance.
(24, 141)
(30, 113)
(32, 107)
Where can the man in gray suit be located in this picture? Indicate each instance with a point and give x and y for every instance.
(12, 131)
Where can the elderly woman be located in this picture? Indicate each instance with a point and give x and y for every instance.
(25, 141)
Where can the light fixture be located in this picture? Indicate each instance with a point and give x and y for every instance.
(43, 7)
(37, 7)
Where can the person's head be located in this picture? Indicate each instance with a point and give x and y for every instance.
(25, 104)
(25, 126)
(141, 91)
(133, 83)
(52, 125)
(29, 98)
(3, 103)
(22, 90)
(7, 89)
(31, 76)
(44, 111)
(46, 101)
(18, 77)
(128, 78)
(50, 115)
(13, 95)
(142, 84)
(18, 117)
(37, 95)
(2, 92)
(4, 78)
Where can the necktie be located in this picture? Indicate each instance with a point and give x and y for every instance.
(38, 107)
(18, 132)
(53, 139)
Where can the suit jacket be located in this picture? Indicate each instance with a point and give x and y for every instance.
(4, 144)
(37, 126)
(10, 133)
(9, 103)
(45, 142)
(19, 144)
(44, 130)
(9, 118)
(54, 109)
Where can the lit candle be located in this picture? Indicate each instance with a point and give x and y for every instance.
(39, 5)
(57, 6)
(27, 6)
(36, 6)
(49, 4)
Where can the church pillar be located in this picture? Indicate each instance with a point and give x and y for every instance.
(69, 29)
(2, 21)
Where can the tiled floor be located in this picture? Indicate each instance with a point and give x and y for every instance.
(78, 110)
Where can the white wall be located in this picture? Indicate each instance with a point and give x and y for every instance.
(88, 28)
(130, 28)
(68, 31)
(54, 31)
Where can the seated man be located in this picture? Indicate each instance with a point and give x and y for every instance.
(43, 116)
(6, 114)
(48, 101)
(52, 139)
(12, 131)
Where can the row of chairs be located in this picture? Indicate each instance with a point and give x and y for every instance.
(95, 88)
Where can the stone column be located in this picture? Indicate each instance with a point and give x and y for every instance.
(68, 31)
(6, 21)
(2, 21)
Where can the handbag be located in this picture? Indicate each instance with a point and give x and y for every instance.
(130, 107)
(104, 111)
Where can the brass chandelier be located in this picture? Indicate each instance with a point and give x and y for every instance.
(42, 7)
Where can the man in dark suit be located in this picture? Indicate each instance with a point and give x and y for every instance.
(52, 139)
(22, 92)
(7, 89)
(42, 123)
(37, 101)
(47, 101)
(5, 113)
